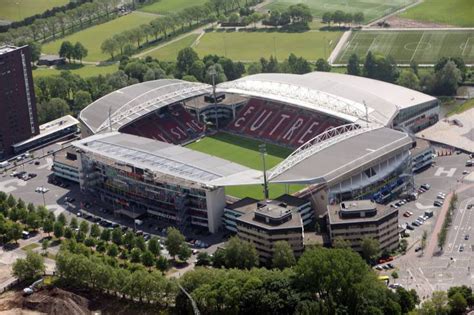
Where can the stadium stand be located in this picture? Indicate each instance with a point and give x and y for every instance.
(284, 125)
(172, 124)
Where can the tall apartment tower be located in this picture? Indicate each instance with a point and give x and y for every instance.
(18, 117)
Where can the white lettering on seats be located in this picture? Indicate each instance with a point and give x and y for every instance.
(293, 128)
(193, 125)
(257, 123)
(242, 119)
(175, 132)
(283, 118)
(307, 132)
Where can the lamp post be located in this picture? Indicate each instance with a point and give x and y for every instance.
(263, 151)
(213, 73)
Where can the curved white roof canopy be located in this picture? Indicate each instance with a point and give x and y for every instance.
(132, 102)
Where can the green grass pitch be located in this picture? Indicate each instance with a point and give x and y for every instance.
(81, 70)
(372, 9)
(171, 6)
(16, 10)
(93, 37)
(424, 47)
(251, 46)
(170, 52)
(452, 12)
(245, 151)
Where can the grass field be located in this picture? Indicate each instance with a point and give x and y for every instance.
(458, 109)
(16, 10)
(251, 46)
(83, 71)
(452, 12)
(93, 37)
(170, 52)
(244, 151)
(170, 6)
(372, 9)
(424, 47)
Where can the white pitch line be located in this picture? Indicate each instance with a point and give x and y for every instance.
(421, 39)
(373, 41)
(465, 46)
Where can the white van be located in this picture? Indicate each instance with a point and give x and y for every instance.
(4, 164)
(138, 222)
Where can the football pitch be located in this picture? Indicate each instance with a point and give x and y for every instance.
(244, 151)
(452, 12)
(16, 10)
(423, 47)
(372, 9)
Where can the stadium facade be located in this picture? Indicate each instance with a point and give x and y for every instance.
(347, 134)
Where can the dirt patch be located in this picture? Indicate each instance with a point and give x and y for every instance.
(57, 301)
(398, 22)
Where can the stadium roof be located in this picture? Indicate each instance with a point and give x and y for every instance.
(339, 95)
(131, 102)
(343, 155)
(161, 157)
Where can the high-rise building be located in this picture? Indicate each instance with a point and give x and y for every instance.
(18, 119)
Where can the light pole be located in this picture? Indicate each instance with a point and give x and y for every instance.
(213, 73)
(263, 151)
(42, 193)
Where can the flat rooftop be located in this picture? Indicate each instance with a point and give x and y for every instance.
(163, 158)
(345, 156)
(295, 222)
(61, 157)
(7, 49)
(246, 204)
(456, 131)
(357, 205)
(334, 218)
(421, 145)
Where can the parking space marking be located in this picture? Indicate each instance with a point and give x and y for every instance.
(440, 171)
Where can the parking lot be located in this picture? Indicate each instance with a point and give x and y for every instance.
(426, 272)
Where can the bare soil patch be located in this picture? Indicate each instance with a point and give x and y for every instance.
(398, 22)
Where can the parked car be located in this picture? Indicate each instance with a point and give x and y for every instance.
(409, 227)
(437, 203)
(390, 266)
(426, 186)
(466, 237)
(461, 248)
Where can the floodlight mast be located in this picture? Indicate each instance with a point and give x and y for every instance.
(263, 151)
(213, 74)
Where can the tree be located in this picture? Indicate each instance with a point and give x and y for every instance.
(30, 268)
(45, 245)
(58, 229)
(441, 239)
(162, 264)
(129, 240)
(52, 109)
(66, 50)
(147, 258)
(68, 233)
(203, 259)
(353, 65)
(338, 17)
(358, 17)
(135, 255)
(186, 57)
(339, 242)
(62, 219)
(283, 256)
(184, 252)
(117, 236)
(405, 299)
(327, 18)
(112, 250)
(322, 65)
(447, 79)
(33, 220)
(48, 226)
(79, 51)
(73, 224)
(403, 245)
(154, 246)
(109, 46)
(84, 227)
(95, 230)
(457, 303)
(81, 100)
(14, 233)
(370, 248)
(409, 79)
(105, 235)
(240, 254)
(174, 241)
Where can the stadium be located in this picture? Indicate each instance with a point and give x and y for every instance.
(180, 151)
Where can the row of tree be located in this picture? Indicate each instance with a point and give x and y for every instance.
(339, 17)
(298, 14)
(70, 51)
(63, 23)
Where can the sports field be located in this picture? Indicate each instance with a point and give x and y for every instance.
(16, 10)
(83, 71)
(171, 6)
(251, 46)
(170, 52)
(452, 12)
(372, 9)
(93, 37)
(245, 151)
(424, 47)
